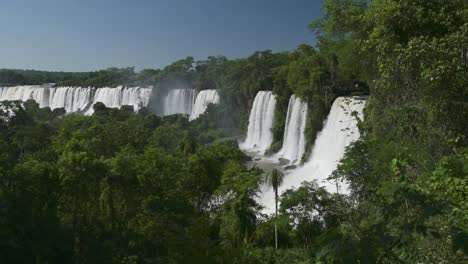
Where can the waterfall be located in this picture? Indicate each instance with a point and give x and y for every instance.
(340, 130)
(119, 96)
(78, 99)
(204, 98)
(179, 101)
(24, 93)
(259, 135)
(294, 138)
(70, 98)
(137, 97)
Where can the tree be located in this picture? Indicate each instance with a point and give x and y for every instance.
(238, 212)
(80, 172)
(275, 179)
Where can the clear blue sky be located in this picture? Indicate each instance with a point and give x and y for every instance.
(84, 35)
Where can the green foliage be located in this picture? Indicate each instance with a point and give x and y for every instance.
(244, 78)
(340, 31)
(306, 75)
(413, 138)
(117, 187)
(283, 93)
(238, 216)
(17, 77)
(211, 73)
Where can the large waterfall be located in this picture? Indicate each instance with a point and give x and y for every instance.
(69, 98)
(259, 134)
(204, 98)
(294, 138)
(179, 101)
(340, 130)
(24, 93)
(77, 99)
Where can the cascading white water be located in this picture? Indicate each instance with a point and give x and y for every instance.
(116, 97)
(294, 138)
(259, 134)
(78, 99)
(179, 101)
(340, 130)
(24, 93)
(137, 97)
(72, 99)
(204, 98)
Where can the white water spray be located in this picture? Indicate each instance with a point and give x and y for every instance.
(259, 134)
(294, 138)
(119, 96)
(70, 98)
(179, 101)
(24, 93)
(204, 98)
(78, 99)
(340, 130)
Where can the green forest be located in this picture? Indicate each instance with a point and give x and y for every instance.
(125, 187)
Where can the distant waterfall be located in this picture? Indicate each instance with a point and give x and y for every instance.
(116, 97)
(179, 101)
(24, 93)
(294, 138)
(340, 130)
(77, 99)
(70, 98)
(259, 134)
(204, 98)
(138, 97)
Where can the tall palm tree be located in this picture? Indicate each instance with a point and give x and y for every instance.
(275, 179)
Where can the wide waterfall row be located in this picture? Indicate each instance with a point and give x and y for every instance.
(340, 130)
(294, 138)
(259, 134)
(77, 99)
(204, 98)
(179, 101)
(24, 93)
